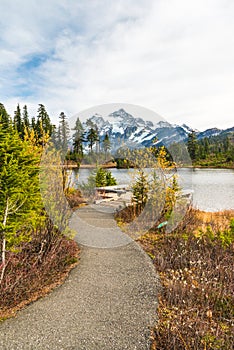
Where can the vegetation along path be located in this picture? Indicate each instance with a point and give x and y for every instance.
(108, 302)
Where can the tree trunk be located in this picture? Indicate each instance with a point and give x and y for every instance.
(4, 242)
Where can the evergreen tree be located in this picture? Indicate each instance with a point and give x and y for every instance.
(103, 177)
(90, 124)
(43, 126)
(92, 137)
(140, 190)
(192, 145)
(226, 144)
(110, 179)
(18, 124)
(59, 137)
(5, 119)
(33, 124)
(100, 177)
(211, 151)
(20, 202)
(25, 120)
(106, 145)
(25, 116)
(158, 189)
(78, 139)
(64, 132)
(97, 140)
(206, 146)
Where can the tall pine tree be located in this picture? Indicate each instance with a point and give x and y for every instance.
(5, 119)
(92, 137)
(17, 121)
(106, 144)
(192, 145)
(64, 132)
(25, 120)
(78, 139)
(43, 125)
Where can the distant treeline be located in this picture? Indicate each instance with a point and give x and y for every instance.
(213, 151)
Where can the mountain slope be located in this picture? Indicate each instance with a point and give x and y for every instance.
(124, 129)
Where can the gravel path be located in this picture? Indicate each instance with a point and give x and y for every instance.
(108, 301)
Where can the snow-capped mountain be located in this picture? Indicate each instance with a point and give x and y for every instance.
(124, 129)
(213, 132)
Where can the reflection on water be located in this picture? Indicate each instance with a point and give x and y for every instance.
(213, 188)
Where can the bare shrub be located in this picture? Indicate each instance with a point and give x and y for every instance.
(35, 265)
(196, 302)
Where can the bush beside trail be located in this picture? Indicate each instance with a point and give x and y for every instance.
(195, 265)
(35, 268)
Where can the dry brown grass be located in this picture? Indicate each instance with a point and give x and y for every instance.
(75, 198)
(196, 303)
(216, 221)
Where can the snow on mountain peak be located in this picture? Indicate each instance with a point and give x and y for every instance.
(163, 124)
(122, 125)
(124, 128)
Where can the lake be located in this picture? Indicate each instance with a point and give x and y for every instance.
(213, 189)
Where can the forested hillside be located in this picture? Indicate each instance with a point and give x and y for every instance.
(215, 151)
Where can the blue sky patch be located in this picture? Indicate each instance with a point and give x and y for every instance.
(24, 90)
(33, 62)
(28, 77)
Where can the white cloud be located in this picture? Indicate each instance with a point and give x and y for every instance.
(175, 57)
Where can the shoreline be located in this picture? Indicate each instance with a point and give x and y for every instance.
(206, 167)
(88, 166)
(113, 166)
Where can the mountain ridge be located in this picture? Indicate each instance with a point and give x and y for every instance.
(123, 127)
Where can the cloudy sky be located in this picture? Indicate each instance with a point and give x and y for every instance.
(175, 57)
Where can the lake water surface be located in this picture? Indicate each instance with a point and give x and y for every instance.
(213, 189)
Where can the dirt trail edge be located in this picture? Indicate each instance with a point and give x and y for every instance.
(109, 301)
